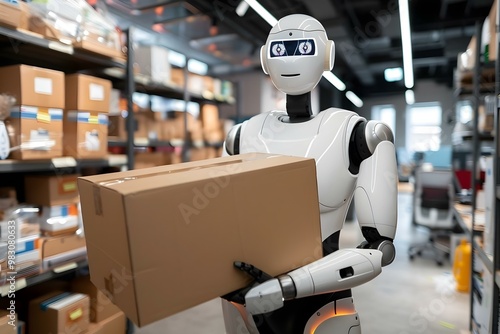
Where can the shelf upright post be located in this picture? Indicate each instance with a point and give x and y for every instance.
(130, 89)
(187, 142)
(475, 148)
(496, 210)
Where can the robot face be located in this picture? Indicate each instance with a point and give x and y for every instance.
(295, 53)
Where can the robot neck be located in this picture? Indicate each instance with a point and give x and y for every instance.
(298, 107)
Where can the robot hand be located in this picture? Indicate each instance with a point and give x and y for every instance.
(241, 296)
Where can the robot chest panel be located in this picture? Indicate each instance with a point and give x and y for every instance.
(324, 138)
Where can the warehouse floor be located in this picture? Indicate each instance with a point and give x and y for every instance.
(408, 297)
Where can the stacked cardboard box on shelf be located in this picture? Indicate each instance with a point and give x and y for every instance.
(85, 118)
(59, 312)
(57, 197)
(35, 124)
(14, 15)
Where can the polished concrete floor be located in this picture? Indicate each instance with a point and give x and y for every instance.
(408, 297)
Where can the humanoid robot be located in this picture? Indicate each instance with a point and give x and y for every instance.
(355, 158)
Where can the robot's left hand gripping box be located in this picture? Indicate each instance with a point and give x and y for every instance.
(164, 239)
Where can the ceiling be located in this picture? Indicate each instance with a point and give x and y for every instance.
(366, 34)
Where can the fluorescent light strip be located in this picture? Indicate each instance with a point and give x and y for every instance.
(334, 80)
(354, 99)
(410, 97)
(268, 17)
(242, 8)
(404, 18)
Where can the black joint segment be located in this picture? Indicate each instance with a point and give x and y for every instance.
(331, 244)
(358, 147)
(237, 141)
(299, 106)
(256, 273)
(373, 238)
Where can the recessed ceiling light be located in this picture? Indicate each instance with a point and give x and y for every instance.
(393, 74)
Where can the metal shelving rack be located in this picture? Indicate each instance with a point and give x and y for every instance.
(491, 263)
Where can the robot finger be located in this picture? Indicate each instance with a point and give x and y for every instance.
(259, 275)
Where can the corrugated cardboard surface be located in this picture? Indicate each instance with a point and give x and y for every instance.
(75, 138)
(50, 190)
(33, 86)
(43, 321)
(20, 136)
(87, 93)
(178, 229)
(51, 246)
(101, 307)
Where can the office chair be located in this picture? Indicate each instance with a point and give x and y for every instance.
(432, 208)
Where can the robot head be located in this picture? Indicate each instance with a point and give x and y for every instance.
(296, 54)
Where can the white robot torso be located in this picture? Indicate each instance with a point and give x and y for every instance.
(354, 159)
(324, 138)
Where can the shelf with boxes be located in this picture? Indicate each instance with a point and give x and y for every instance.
(25, 33)
(477, 80)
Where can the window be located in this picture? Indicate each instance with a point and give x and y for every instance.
(423, 127)
(386, 114)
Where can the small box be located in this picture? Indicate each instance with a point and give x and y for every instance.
(35, 133)
(117, 127)
(115, 324)
(85, 135)
(50, 190)
(14, 15)
(196, 83)
(101, 306)
(8, 322)
(59, 219)
(171, 223)
(210, 117)
(87, 93)
(52, 246)
(492, 52)
(151, 159)
(33, 86)
(152, 62)
(60, 250)
(61, 313)
(177, 77)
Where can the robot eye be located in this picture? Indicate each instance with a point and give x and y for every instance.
(305, 48)
(278, 50)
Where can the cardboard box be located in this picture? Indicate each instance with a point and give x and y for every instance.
(177, 77)
(116, 324)
(117, 127)
(61, 313)
(8, 322)
(14, 15)
(85, 135)
(173, 223)
(101, 307)
(93, 46)
(210, 117)
(151, 159)
(33, 86)
(50, 190)
(152, 62)
(52, 246)
(35, 133)
(87, 93)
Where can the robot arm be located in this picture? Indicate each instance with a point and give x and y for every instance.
(375, 196)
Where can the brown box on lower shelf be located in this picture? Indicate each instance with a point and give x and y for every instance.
(59, 313)
(115, 324)
(50, 190)
(101, 306)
